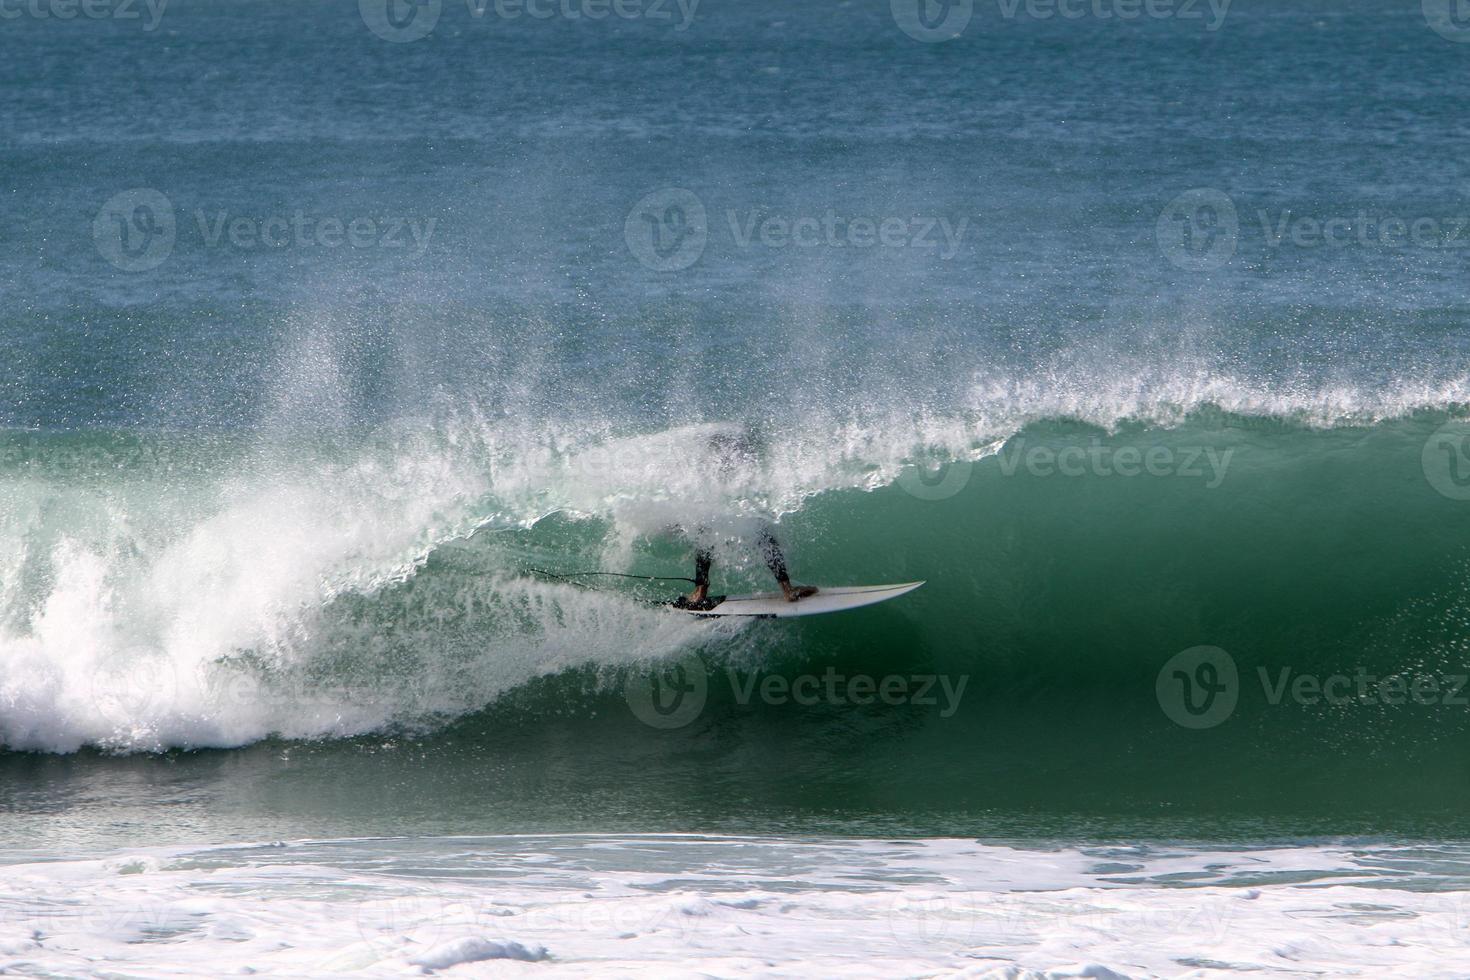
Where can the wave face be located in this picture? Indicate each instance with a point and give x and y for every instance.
(188, 591)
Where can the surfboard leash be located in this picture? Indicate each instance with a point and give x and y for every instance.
(645, 578)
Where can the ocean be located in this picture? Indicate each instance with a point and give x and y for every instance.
(341, 341)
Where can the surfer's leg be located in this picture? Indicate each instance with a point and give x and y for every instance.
(771, 552)
(703, 559)
(776, 562)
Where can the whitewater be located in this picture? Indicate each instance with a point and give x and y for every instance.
(631, 906)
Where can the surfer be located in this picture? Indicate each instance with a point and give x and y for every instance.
(775, 561)
(730, 449)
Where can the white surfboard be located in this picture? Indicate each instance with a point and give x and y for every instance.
(828, 600)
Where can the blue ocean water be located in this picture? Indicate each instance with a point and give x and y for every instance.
(1134, 333)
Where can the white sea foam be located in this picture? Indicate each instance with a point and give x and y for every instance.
(192, 614)
(688, 906)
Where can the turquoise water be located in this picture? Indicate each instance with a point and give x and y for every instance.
(1130, 336)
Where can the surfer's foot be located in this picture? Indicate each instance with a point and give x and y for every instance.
(697, 596)
(794, 592)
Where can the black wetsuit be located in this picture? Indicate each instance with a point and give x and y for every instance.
(770, 551)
